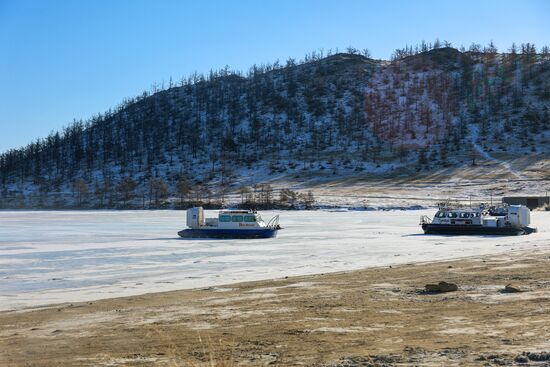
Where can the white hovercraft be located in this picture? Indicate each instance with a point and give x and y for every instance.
(229, 224)
(504, 220)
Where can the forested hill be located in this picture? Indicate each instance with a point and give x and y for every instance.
(343, 114)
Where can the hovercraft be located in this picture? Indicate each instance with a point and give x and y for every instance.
(505, 220)
(230, 224)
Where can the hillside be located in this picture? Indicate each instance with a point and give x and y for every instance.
(328, 124)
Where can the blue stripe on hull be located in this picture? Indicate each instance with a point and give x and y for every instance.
(228, 233)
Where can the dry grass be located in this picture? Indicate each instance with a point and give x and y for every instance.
(367, 316)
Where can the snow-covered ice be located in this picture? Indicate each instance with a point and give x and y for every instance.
(68, 256)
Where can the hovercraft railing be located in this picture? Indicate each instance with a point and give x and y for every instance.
(274, 223)
(424, 219)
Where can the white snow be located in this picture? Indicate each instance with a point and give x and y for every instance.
(62, 256)
(474, 133)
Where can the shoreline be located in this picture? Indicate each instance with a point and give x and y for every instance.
(348, 191)
(320, 208)
(317, 208)
(336, 319)
(389, 265)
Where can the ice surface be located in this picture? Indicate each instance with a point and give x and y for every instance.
(62, 256)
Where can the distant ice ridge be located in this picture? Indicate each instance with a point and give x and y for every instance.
(52, 256)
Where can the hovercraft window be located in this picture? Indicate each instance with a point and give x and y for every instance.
(464, 215)
(452, 215)
(225, 218)
(249, 219)
(237, 218)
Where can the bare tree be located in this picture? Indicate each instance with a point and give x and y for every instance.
(265, 194)
(126, 188)
(183, 188)
(99, 193)
(244, 192)
(308, 200)
(159, 189)
(81, 188)
(288, 198)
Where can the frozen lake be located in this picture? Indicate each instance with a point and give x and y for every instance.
(54, 256)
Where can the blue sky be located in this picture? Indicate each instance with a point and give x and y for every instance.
(61, 60)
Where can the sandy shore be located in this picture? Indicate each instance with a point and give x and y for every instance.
(377, 316)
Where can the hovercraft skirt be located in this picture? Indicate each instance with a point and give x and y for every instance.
(228, 233)
(475, 230)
